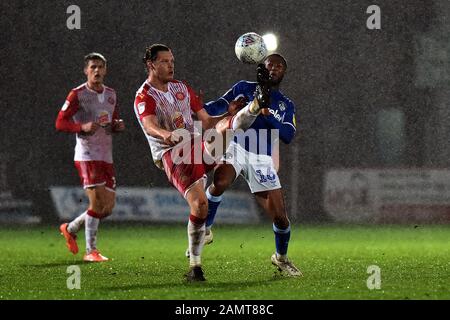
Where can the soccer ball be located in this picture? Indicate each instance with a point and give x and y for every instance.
(251, 48)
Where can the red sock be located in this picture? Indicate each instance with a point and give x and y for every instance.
(93, 214)
(196, 220)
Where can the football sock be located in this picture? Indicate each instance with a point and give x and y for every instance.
(213, 205)
(282, 237)
(76, 224)
(196, 233)
(246, 116)
(91, 230)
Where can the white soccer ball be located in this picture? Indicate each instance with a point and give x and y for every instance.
(251, 48)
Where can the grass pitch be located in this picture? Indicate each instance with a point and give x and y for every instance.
(148, 263)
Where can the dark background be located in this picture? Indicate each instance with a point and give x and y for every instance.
(341, 75)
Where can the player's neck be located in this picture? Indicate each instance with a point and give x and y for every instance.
(158, 84)
(95, 86)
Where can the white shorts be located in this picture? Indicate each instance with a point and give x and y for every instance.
(258, 170)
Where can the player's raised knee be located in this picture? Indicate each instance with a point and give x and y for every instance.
(220, 185)
(223, 124)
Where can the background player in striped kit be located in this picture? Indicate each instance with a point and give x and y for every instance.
(257, 165)
(91, 112)
(163, 107)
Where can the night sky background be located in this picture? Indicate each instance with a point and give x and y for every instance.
(340, 76)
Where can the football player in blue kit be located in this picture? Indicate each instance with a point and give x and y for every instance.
(254, 160)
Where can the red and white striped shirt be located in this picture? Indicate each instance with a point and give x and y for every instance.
(84, 105)
(173, 110)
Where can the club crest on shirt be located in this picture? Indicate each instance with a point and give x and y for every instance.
(180, 96)
(103, 118)
(178, 120)
(282, 106)
(111, 101)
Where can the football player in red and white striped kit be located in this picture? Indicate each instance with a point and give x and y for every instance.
(91, 112)
(163, 106)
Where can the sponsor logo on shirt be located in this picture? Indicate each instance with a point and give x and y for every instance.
(178, 120)
(180, 96)
(277, 116)
(103, 118)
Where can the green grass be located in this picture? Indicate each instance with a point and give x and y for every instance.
(148, 263)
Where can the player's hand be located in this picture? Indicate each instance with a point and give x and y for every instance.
(118, 125)
(265, 112)
(89, 128)
(237, 105)
(175, 137)
(262, 75)
(171, 138)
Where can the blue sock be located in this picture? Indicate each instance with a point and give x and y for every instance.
(213, 205)
(282, 237)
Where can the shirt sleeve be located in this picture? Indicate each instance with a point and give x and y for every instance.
(145, 105)
(220, 106)
(196, 103)
(64, 121)
(116, 113)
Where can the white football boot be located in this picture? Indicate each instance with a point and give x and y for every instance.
(286, 266)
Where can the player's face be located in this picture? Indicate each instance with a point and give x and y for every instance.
(95, 72)
(276, 69)
(164, 66)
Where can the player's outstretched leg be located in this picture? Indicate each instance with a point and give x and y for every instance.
(246, 116)
(228, 126)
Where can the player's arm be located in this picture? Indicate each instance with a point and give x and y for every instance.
(230, 103)
(145, 107)
(196, 104)
(208, 121)
(153, 129)
(287, 128)
(64, 121)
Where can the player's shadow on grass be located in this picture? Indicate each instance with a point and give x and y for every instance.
(53, 264)
(210, 285)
